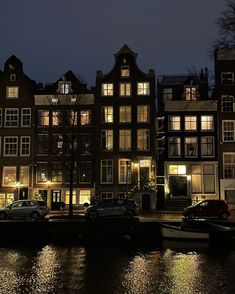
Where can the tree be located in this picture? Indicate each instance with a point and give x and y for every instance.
(226, 26)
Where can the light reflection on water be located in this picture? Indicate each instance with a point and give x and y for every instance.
(116, 270)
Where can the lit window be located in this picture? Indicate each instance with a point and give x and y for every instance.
(56, 172)
(64, 87)
(24, 146)
(203, 178)
(190, 123)
(25, 117)
(125, 114)
(177, 169)
(228, 103)
(11, 117)
(191, 147)
(125, 140)
(73, 118)
(167, 94)
(12, 92)
(142, 113)
(42, 172)
(207, 122)
(125, 89)
(143, 88)
(6, 199)
(174, 123)
(207, 146)
(85, 117)
(196, 178)
(107, 114)
(142, 139)
(9, 176)
(84, 196)
(229, 195)
(67, 196)
(229, 130)
(229, 165)
(85, 172)
(56, 117)
(106, 171)
(124, 171)
(10, 146)
(174, 146)
(24, 175)
(190, 93)
(107, 140)
(43, 117)
(227, 78)
(107, 89)
(125, 71)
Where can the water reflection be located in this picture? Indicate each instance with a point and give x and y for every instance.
(115, 269)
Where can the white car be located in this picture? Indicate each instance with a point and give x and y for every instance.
(33, 209)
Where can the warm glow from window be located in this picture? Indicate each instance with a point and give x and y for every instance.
(84, 196)
(67, 197)
(143, 88)
(177, 169)
(12, 92)
(107, 89)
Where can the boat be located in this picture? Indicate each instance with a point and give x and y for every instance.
(180, 232)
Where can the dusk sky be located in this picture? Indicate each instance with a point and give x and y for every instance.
(51, 37)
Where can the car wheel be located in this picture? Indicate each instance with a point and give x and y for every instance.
(3, 215)
(35, 215)
(129, 213)
(224, 215)
(191, 215)
(92, 215)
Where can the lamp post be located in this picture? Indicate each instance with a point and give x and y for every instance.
(127, 169)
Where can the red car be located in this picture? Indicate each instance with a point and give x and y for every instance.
(207, 209)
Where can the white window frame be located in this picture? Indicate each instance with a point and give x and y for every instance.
(232, 131)
(225, 101)
(228, 164)
(213, 146)
(143, 88)
(7, 115)
(28, 144)
(106, 166)
(107, 89)
(24, 115)
(16, 143)
(125, 165)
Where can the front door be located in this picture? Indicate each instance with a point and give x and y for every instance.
(56, 200)
(146, 201)
(178, 186)
(23, 193)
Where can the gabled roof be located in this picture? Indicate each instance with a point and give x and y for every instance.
(125, 50)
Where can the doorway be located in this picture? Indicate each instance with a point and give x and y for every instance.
(146, 201)
(178, 186)
(56, 200)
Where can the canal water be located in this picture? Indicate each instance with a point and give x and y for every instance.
(117, 268)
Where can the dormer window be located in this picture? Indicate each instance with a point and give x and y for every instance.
(125, 71)
(12, 77)
(64, 87)
(12, 92)
(190, 93)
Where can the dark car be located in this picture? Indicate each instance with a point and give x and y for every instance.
(112, 207)
(207, 209)
(27, 208)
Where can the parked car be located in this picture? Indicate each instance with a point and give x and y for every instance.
(207, 209)
(112, 207)
(34, 209)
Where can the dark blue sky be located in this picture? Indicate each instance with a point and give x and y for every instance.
(53, 36)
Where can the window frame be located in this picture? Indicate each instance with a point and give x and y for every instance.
(14, 94)
(16, 115)
(172, 121)
(178, 144)
(25, 115)
(142, 148)
(185, 147)
(143, 88)
(28, 144)
(106, 166)
(3, 175)
(107, 89)
(207, 122)
(16, 144)
(127, 111)
(213, 146)
(141, 114)
(125, 89)
(232, 131)
(106, 134)
(125, 137)
(191, 123)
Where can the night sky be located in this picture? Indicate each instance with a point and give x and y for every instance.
(53, 36)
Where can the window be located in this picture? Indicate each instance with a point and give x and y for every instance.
(203, 178)
(143, 88)
(142, 139)
(190, 123)
(25, 146)
(191, 147)
(125, 114)
(142, 113)
(64, 87)
(11, 117)
(174, 146)
(174, 123)
(125, 71)
(125, 140)
(12, 92)
(84, 196)
(190, 93)
(107, 114)
(56, 172)
(85, 117)
(228, 103)
(124, 171)
(107, 140)
(86, 141)
(196, 178)
(6, 199)
(229, 196)
(42, 144)
(9, 176)
(25, 117)
(42, 172)
(24, 175)
(227, 78)
(72, 118)
(67, 175)
(125, 89)
(67, 196)
(177, 169)
(57, 144)
(228, 130)
(167, 94)
(85, 174)
(229, 165)
(207, 122)
(106, 171)
(12, 77)
(207, 146)
(0, 117)
(56, 118)
(10, 146)
(107, 89)
(43, 117)
(106, 195)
